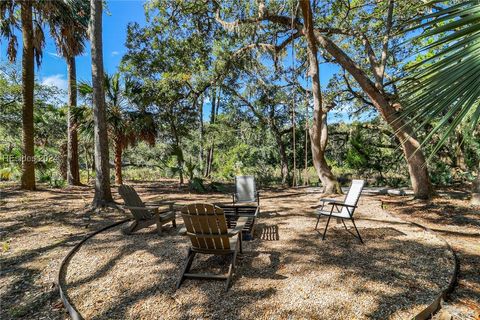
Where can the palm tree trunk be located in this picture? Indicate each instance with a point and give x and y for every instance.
(64, 160)
(319, 126)
(118, 161)
(28, 73)
(103, 193)
(73, 169)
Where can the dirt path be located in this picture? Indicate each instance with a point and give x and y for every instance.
(286, 271)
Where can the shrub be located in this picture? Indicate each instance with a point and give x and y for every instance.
(196, 184)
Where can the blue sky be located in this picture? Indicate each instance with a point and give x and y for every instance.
(118, 13)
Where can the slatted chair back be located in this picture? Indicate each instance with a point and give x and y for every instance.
(131, 199)
(206, 226)
(245, 189)
(352, 196)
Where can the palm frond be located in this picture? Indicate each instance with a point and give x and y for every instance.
(446, 85)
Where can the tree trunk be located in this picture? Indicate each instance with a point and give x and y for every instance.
(319, 126)
(460, 152)
(180, 166)
(118, 161)
(73, 169)
(285, 173)
(476, 190)
(178, 151)
(103, 193)
(87, 163)
(213, 112)
(63, 160)
(209, 160)
(28, 159)
(414, 156)
(202, 134)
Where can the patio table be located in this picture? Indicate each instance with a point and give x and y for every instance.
(235, 211)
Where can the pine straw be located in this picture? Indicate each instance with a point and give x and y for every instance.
(287, 271)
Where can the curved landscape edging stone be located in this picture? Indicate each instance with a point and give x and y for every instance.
(436, 304)
(74, 314)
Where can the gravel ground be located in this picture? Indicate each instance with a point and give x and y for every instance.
(450, 216)
(287, 271)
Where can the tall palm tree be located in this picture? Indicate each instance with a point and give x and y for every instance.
(32, 15)
(103, 194)
(70, 35)
(127, 124)
(446, 85)
(32, 37)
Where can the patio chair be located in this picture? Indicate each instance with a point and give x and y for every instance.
(145, 215)
(245, 190)
(341, 209)
(206, 227)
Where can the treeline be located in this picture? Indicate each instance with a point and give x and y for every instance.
(231, 139)
(208, 89)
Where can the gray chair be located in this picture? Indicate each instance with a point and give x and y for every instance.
(341, 209)
(245, 190)
(145, 215)
(206, 226)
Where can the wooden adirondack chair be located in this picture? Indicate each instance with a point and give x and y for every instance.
(341, 209)
(145, 215)
(206, 227)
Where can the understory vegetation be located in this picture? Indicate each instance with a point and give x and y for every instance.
(237, 142)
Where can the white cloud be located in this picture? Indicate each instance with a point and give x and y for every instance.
(55, 80)
(53, 54)
(115, 53)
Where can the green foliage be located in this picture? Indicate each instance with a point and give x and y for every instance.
(183, 61)
(357, 154)
(196, 184)
(444, 85)
(10, 173)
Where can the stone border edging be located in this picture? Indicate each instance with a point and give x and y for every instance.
(74, 314)
(436, 304)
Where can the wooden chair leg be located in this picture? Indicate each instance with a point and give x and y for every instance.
(159, 226)
(174, 223)
(132, 227)
(240, 241)
(231, 269)
(187, 266)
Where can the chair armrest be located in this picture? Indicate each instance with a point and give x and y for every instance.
(182, 231)
(342, 204)
(178, 206)
(239, 227)
(324, 202)
(159, 203)
(329, 200)
(147, 208)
